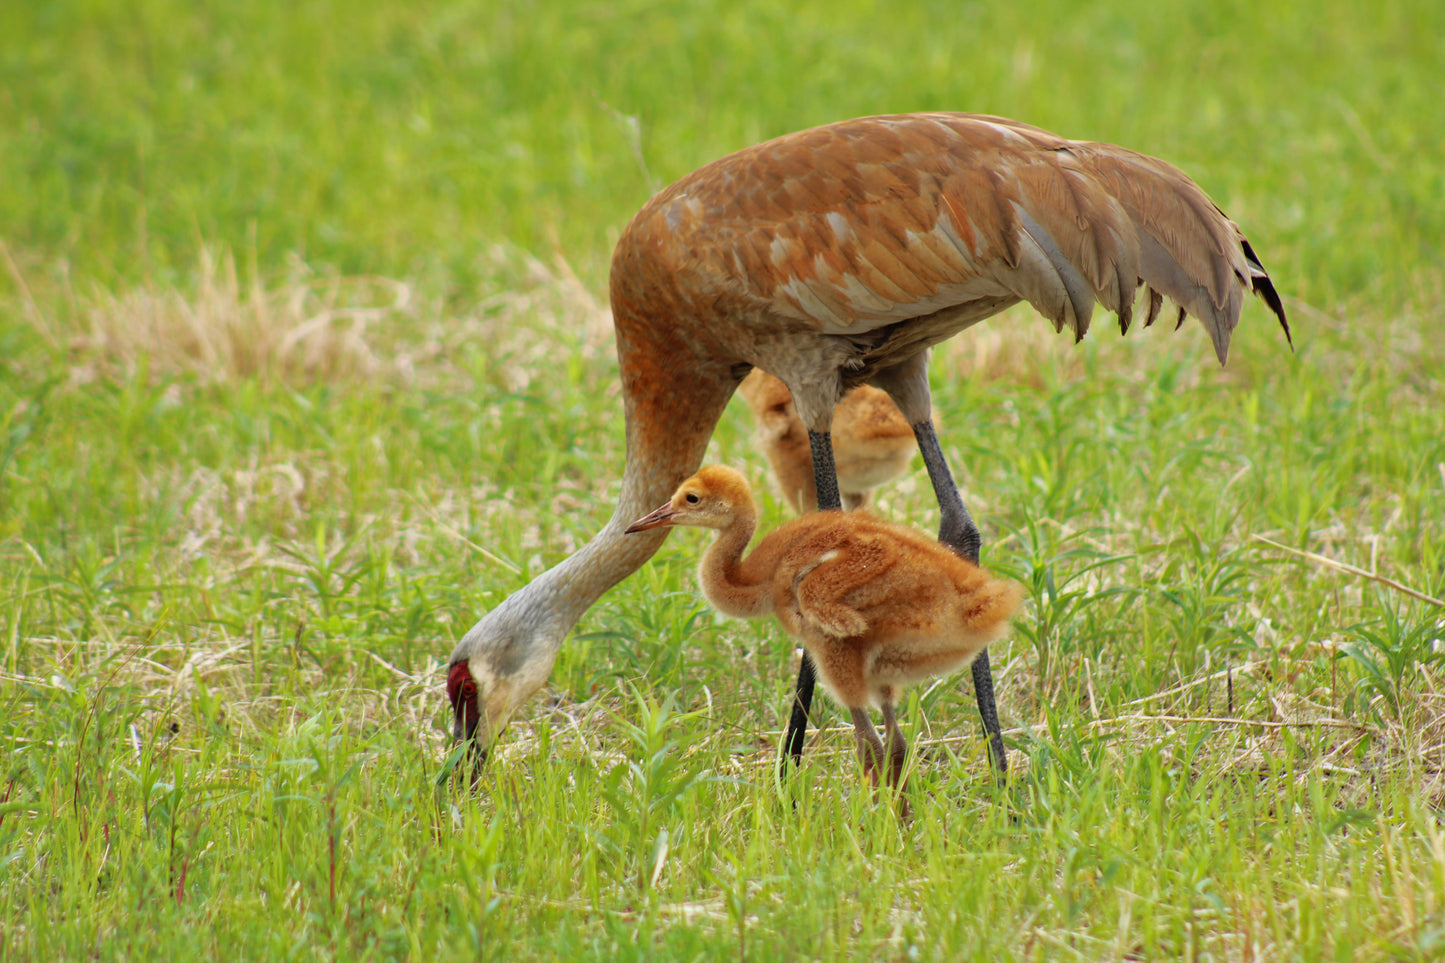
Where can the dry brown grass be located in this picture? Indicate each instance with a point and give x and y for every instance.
(308, 326)
(304, 327)
(533, 309)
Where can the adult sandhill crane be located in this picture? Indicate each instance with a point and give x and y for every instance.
(877, 606)
(872, 441)
(838, 256)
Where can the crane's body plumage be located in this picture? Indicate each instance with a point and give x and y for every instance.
(838, 252)
(838, 256)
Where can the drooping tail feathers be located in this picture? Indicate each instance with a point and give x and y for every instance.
(1098, 222)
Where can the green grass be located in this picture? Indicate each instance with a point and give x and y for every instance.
(296, 380)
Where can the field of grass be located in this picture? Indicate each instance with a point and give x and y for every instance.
(305, 362)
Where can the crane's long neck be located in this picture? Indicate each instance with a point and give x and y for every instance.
(673, 398)
(737, 586)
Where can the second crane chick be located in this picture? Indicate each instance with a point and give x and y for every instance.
(877, 605)
(872, 441)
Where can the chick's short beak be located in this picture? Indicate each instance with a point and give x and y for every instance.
(657, 519)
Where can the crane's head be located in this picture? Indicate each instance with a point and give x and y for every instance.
(463, 692)
(496, 667)
(713, 498)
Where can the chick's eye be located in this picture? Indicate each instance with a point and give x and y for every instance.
(692, 498)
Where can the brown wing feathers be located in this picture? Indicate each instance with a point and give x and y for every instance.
(1084, 221)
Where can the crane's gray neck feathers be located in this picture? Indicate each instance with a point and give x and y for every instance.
(528, 627)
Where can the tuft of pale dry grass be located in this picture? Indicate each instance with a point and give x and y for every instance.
(314, 327)
(532, 307)
(305, 327)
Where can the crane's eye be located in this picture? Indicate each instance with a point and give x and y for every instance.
(692, 498)
(469, 689)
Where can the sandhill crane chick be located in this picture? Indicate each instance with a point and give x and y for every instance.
(872, 441)
(878, 606)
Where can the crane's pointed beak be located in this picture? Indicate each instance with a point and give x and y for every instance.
(464, 727)
(466, 715)
(661, 518)
(464, 731)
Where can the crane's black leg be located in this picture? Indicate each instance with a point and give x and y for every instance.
(798, 721)
(956, 528)
(825, 473)
(958, 532)
(825, 477)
